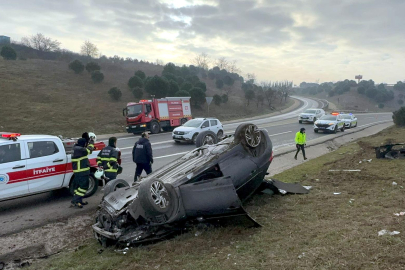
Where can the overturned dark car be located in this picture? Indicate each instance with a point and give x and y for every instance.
(211, 181)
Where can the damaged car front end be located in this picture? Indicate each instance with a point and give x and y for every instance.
(209, 182)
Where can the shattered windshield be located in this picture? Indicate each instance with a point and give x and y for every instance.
(310, 111)
(328, 117)
(193, 123)
(134, 110)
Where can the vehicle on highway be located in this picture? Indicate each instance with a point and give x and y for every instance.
(156, 114)
(310, 115)
(330, 123)
(190, 130)
(211, 181)
(350, 120)
(31, 164)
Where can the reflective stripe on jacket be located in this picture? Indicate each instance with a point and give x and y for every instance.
(80, 160)
(300, 138)
(108, 159)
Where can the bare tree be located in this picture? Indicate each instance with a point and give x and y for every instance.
(89, 49)
(222, 63)
(251, 77)
(159, 62)
(232, 67)
(41, 43)
(202, 61)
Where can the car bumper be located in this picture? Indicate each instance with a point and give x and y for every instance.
(185, 138)
(305, 119)
(98, 231)
(329, 128)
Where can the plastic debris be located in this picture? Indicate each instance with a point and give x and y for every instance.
(351, 200)
(307, 187)
(301, 255)
(282, 191)
(399, 214)
(394, 183)
(337, 193)
(384, 232)
(369, 160)
(197, 233)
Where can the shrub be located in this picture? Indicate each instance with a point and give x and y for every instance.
(186, 86)
(201, 85)
(400, 101)
(140, 74)
(115, 93)
(399, 86)
(224, 98)
(193, 79)
(173, 88)
(399, 117)
(182, 93)
(219, 83)
(228, 80)
(8, 53)
(135, 81)
(197, 96)
(381, 105)
(217, 100)
(180, 80)
(361, 90)
(137, 92)
(76, 66)
(157, 86)
(92, 66)
(211, 75)
(170, 76)
(97, 76)
(371, 92)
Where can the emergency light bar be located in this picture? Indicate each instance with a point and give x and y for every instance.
(335, 113)
(10, 136)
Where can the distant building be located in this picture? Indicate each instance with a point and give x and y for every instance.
(4, 40)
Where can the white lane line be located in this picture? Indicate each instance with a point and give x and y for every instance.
(280, 133)
(177, 154)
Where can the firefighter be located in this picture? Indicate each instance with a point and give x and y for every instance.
(300, 142)
(81, 170)
(108, 159)
(142, 156)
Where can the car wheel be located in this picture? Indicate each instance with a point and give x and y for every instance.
(316, 131)
(343, 128)
(206, 137)
(154, 127)
(314, 119)
(249, 133)
(177, 141)
(155, 197)
(335, 130)
(194, 138)
(93, 186)
(183, 121)
(220, 134)
(350, 126)
(300, 121)
(113, 185)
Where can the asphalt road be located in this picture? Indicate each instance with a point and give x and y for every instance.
(20, 214)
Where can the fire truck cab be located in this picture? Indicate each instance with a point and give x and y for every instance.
(156, 114)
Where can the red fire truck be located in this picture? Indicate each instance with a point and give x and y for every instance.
(154, 115)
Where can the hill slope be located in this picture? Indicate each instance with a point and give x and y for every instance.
(44, 96)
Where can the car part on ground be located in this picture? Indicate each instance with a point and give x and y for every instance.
(209, 182)
(391, 151)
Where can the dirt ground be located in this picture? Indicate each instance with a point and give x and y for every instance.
(336, 226)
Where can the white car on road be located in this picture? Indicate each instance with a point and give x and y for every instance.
(189, 131)
(310, 115)
(330, 123)
(350, 120)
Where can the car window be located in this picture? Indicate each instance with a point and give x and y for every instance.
(213, 122)
(205, 124)
(148, 108)
(328, 117)
(10, 153)
(42, 149)
(193, 123)
(310, 111)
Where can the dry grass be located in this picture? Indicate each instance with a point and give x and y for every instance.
(38, 96)
(315, 231)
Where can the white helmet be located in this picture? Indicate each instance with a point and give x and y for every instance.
(93, 136)
(99, 173)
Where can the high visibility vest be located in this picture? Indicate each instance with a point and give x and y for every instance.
(300, 138)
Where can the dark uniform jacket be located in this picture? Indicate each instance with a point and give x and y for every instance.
(108, 159)
(80, 161)
(142, 152)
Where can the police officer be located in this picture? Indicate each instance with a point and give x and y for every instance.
(108, 159)
(142, 155)
(81, 170)
(300, 142)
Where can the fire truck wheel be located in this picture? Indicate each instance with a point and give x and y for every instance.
(154, 127)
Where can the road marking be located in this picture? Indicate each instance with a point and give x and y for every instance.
(182, 153)
(280, 133)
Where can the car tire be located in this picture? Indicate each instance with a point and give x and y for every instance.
(183, 121)
(194, 138)
(113, 185)
(154, 127)
(342, 129)
(156, 197)
(335, 130)
(316, 131)
(206, 137)
(350, 126)
(93, 186)
(249, 134)
(314, 120)
(177, 141)
(220, 134)
(300, 121)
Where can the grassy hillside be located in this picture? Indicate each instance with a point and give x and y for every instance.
(44, 96)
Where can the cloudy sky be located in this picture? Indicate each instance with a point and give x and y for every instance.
(299, 40)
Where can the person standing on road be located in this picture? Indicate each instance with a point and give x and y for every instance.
(300, 142)
(81, 170)
(142, 156)
(108, 159)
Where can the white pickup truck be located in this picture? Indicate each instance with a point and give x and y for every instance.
(31, 164)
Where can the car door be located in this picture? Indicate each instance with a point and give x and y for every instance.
(46, 165)
(13, 178)
(214, 126)
(205, 126)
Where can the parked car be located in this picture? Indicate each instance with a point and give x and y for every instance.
(31, 164)
(210, 181)
(330, 123)
(310, 115)
(350, 120)
(189, 131)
